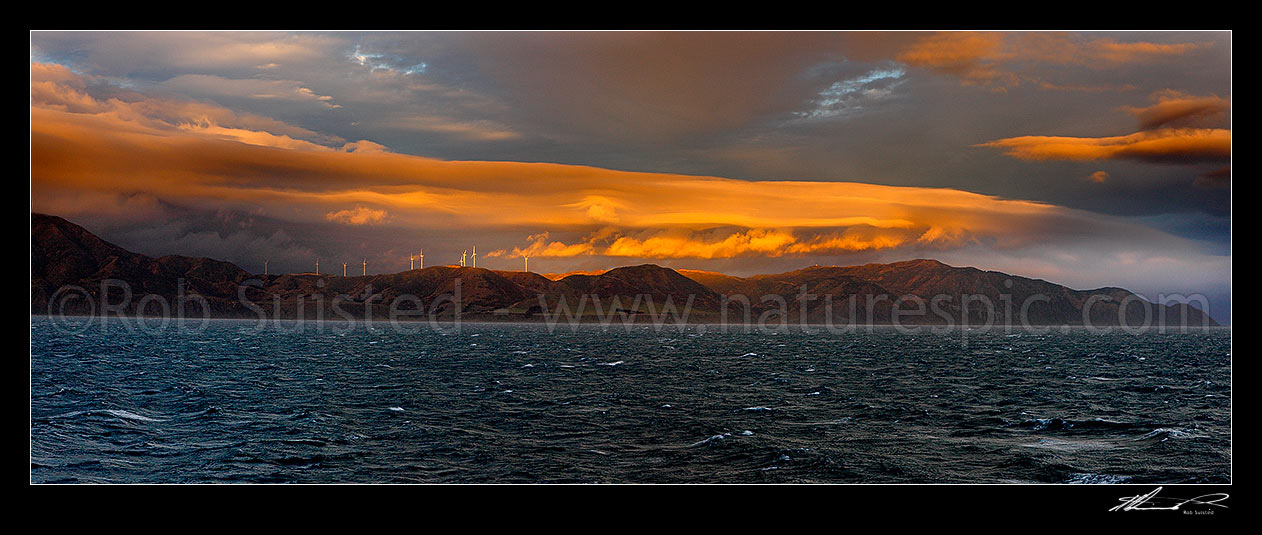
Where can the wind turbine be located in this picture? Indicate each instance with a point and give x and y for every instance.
(527, 258)
(412, 265)
(422, 258)
(365, 267)
(343, 269)
(265, 267)
(317, 265)
(475, 256)
(462, 257)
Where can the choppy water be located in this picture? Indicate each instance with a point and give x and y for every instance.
(513, 403)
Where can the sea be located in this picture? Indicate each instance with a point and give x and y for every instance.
(227, 401)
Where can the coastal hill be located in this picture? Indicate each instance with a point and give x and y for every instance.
(75, 272)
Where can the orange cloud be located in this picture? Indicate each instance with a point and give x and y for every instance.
(1110, 51)
(1099, 177)
(56, 88)
(1062, 48)
(102, 151)
(359, 215)
(740, 243)
(995, 58)
(729, 243)
(1168, 145)
(969, 55)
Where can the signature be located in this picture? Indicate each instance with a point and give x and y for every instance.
(1152, 502)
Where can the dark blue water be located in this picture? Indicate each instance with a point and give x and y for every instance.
(515, 403)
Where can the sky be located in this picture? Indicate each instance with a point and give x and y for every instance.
(1088, 159)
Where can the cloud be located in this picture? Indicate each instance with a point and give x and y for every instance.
(364, 146)
(1168, 145)
(651, 87)
(191, 51)
(218, 86)
(475, 130)
(968, 55)
(1220, 177)
(1002, 59)
(539, 247)
(855, 94)
(1174, 108)
(734, 242)
(386, 62)
(1099, 177)
(594, 211)
(54, 87)
(359, 215)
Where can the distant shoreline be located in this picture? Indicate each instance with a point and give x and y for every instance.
(618, 323)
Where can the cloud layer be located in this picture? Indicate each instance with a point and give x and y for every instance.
(1002, 150)
(1159, 146)
(116, 149)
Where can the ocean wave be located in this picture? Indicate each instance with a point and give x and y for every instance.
(1084, 426)
(1097, 479)
(709, 440)
(1163, 434)
(118, 413)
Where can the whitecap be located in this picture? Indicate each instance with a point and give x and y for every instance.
(131, 415)
(1097, 479)
(1162, 434)
(708, 440)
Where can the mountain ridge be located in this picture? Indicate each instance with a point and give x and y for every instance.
(65, 255)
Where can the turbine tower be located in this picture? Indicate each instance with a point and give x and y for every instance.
(412, 260)
(462, 258)
(365, 267)
(422, 258)
(343, 269)
(317, 265)
(265, 267)
(527, 259)
(475, 256)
